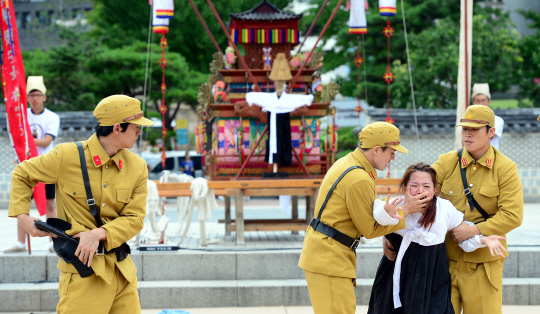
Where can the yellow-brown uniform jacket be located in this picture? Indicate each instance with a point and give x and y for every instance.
(349, 210)
(494, 182)
(118, 186)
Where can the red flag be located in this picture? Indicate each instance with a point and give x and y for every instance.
(14, 88)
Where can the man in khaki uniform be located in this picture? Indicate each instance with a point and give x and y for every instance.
(493, 181)
(329, 262)
(118, 184)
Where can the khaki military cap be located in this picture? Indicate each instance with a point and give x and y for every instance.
(35, 83)
(382, 134)
(120, 109)
(477, 116)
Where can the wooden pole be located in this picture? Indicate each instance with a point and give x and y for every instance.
(251, 153)
(205, 26)
(315, 46)
(312, 26)
(28, 240)
(240, 58)
(300, 162)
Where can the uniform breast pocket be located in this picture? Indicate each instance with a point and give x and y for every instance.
(74, 190)
(123, 196)
(488, 197)
(450, 191)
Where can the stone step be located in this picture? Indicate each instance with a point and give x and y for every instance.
(25, 297)
(523, 262)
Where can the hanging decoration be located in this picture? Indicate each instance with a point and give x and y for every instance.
(229, 59)
(302, 140)
(240, 141)
(198, 133)
(357, 18)
(265, 36)
(14, 88)
(358, 25)
(388, 76)
(332, 135)
(164, 9)
(267, 58)
(204, 136)
(388, 8)
(162, 12)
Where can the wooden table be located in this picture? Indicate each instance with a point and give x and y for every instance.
(270, 187)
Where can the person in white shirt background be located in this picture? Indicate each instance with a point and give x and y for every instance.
(44, 125)
(419, 281)
(482, 96)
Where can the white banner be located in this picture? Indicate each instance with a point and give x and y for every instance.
(346, 114)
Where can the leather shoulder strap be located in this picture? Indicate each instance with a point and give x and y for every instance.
(94, 210)
(471, 201)
(334, 186)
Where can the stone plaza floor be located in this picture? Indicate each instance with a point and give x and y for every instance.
(528, 234)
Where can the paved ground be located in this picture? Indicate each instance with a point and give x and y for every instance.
(297, 310)
(526, 235)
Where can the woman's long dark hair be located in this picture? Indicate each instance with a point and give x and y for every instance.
(431, 210)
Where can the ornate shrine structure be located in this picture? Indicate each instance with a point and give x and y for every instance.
(232, 136)
(265, 26)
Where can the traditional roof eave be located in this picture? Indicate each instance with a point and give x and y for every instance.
(252, 14)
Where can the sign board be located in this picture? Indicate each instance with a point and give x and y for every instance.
(181, 136)
(181, 131)
(181, 124)
(346, 114)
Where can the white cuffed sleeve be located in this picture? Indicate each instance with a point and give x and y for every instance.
(473, 243)
(381, 216)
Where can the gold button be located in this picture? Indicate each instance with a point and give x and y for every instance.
(451, 192)
(104, 185)
(103, 205)
(74, 193)
(473, 168)
(107, 166)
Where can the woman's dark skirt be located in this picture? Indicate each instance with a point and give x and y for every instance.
(425, 284)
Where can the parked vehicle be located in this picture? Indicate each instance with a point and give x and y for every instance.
(172, 163)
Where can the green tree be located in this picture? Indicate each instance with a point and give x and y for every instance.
(117, 23)
(64, 70)
(81, 72)
(530, 70)
(420, 14)
(435, 59)
(433, 30)
(122, 71)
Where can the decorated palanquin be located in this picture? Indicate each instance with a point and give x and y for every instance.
(233, 136)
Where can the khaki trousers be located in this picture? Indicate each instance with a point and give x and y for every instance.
(476, 288)
(93, 295)
(331, 295)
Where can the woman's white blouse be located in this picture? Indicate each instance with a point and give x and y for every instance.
(446, 218)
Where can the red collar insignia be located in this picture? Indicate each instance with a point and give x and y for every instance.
(97, 161)
(120, 164)
(464, 161)
(371, 175)
(489, 162)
